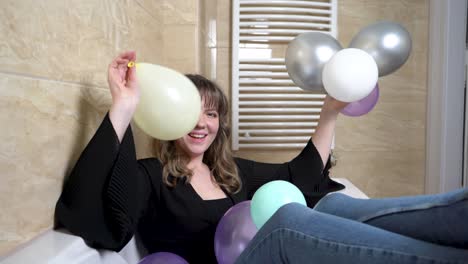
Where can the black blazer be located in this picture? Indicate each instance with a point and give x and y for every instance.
(110, 195)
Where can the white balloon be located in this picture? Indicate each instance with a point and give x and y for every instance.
(170, 104)
(350, 75)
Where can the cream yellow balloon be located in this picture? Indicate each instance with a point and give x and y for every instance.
(170, 104)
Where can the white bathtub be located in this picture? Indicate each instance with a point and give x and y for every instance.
(59, 246)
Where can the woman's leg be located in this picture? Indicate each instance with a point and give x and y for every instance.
(439, 218)
(297, 234)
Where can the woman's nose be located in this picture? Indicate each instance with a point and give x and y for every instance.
(201, 121)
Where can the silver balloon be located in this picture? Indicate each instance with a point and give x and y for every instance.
(387, 42)
(306, 56)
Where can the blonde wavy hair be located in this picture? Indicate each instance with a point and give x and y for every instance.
(218, 157)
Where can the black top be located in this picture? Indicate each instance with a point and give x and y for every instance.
(109, 195)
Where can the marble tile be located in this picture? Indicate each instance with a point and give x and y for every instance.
(382, 173)
(413, 72)
(224, 21)
(396, 88)
(185, 66)
(388, 127)
(154, 8)
(356, 14)
(223, 70)
(181, 47)
(9, 245)
(208, 62)
(207, 38)
(208, 23)
(145, 36)
(383, 10)
(73, 40)
(53, 89)
(49, 123)
(181, 12)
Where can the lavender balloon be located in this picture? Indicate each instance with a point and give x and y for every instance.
(233, 233)
(364, 105)
(163, 257)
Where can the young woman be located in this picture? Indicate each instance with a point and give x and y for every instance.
(174, 202)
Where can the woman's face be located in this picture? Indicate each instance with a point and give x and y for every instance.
(202, 136)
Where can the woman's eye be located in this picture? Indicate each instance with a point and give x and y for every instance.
(212, 114)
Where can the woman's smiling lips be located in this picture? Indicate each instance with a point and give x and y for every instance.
(197, 137)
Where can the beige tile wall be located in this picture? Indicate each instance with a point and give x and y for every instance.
(383, 151)
(53, 94)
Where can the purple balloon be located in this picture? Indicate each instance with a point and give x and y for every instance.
(362, 106)
(233, 233)
(163, 257)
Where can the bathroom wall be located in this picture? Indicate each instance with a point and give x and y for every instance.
(53, 92)
(383, 152)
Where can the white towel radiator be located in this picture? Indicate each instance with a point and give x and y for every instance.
(268, 110)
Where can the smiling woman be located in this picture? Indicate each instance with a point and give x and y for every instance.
(207, 145)
(175, 201)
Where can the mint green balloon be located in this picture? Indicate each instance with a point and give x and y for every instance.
(270, 197)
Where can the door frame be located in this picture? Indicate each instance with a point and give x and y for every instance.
(445, 95)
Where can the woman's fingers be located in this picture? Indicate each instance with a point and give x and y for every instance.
(333, 104)
(128, 55)
(131, 76)
(121, 78)
(123, 59)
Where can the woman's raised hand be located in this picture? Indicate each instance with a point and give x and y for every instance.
(325, 130)
(332, 105)
(124, 90)
(122, 80)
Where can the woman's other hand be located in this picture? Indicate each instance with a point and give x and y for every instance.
(332, 105)
(325, 130)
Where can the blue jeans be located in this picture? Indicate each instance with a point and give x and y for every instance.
(347, 230)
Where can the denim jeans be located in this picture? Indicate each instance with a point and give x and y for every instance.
(347, 230)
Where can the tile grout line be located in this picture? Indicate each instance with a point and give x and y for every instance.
(146, 10)
(32, 77)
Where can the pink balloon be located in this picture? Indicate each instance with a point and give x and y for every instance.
(364, 105)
